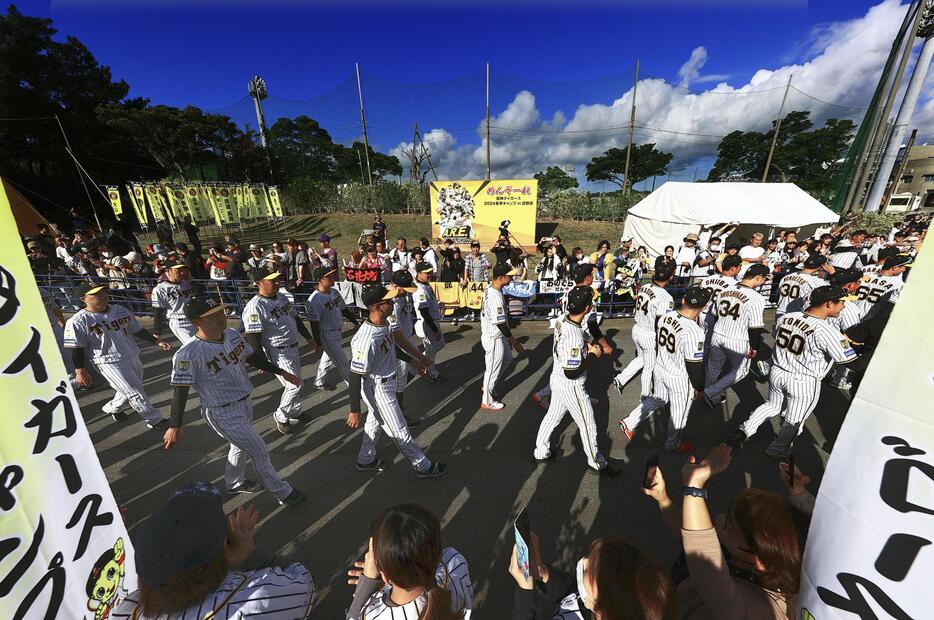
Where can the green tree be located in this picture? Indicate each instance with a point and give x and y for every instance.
(351, 159)
(554, 179)
(302, 148)
(646, 161)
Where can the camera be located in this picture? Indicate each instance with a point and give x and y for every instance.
(504, 228)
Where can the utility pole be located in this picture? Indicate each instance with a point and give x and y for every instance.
(901, 170)
(909, 102)
(366, 140)
(360, 161)
(632, 121)
(256, 87)
(778, 126)
(489, 163)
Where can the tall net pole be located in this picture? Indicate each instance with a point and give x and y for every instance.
(489, 162)
(366, 140)
(632, 122)
(778, 126)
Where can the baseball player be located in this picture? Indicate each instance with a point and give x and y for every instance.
(495, 336)
(881, 255)
(373, 375)
(724, 279)
(326, 312)
(428, 316)
(213, 362)
(583, 277)
(795, 287)
(270, 323)
(651, 304)
(57, 320)
(402, 321)
(107, 331)
(850, 280)
(573, 356)
(806, 346)
(168, 301)
(890, 279)
(736, 334)
(678, 368)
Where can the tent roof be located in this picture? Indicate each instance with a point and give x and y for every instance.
(25, 215)
(774, 204)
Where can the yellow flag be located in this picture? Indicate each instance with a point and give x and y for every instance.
(261, 201)
(157, 203)
(274, 202)
(138, 198)
(177, 202)
(113, 192)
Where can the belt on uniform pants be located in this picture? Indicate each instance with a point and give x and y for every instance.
(233, 402)
(288, 346)
(382, 379)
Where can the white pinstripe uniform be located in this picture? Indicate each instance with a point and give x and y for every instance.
(401, 320)
(107, 338)
(680, 342)
(716, 284)
(738, 310)
(217, 372)
(50, 307)
(282, 593)
(806, 347)
(653, 302)
(327, 309)
(424, 298)
(590, 317)
(872, 269)
(497, 350)
(874, 288)
(171, 296)
(373, 355)
(569, 395)
(453, 575)
(794, 289)
(274, 318)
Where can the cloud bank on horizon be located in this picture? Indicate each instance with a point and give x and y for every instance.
(841, 63)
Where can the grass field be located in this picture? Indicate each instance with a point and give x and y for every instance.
(345, 229)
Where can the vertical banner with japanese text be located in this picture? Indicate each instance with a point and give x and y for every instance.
(138, 198)
(177, 203)
(260, 201)
(474, 210)
(160, 209)
(113, 194)
(64, 550)
(274, 201)
(869, 551)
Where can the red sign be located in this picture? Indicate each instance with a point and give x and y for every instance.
(363, 276)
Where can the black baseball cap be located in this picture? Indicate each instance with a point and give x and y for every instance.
(581, 271)
(889, 251)
(896, 261)
(503, 269)
(403, 279)
(89, 288)
(696, 296)
(814, 261)
(375, 293)
(664, 273)
(756, 270)
(188, 531)
(845, 276)
(579, 298)
(424, 266)
(321, 272)
(730, 261)
(264, 273)
(823, 294)
(197, 307)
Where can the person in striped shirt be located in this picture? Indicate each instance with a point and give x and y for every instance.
(189, 557)
(407, 574)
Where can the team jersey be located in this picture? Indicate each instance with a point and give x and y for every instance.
(653, 301)
(796, 286)
(716, 284)
(452, 575)
(327, 309)
(872, 269)
(570, 350)
(809, 346)
(738, 310)
(372, 351)
(493, 313)
(273, 592)
(51, 307)
(842, 258)
(851, 314)
(401, 319)
(424, 297)
(274, 318)
(216, 369)
(875, 287)
(107, 336)
(589, 317)
(171, 296)
(679, 341)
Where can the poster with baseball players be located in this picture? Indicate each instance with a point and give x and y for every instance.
(869, 551)
(64, 550)
(475, 210)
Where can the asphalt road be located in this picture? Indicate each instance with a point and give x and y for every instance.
(489, 453)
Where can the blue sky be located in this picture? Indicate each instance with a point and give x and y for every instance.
(204, 52)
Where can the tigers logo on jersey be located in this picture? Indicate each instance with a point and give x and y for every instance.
(183, 365)
(254, 318)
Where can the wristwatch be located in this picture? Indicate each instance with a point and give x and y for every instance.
(694, 492)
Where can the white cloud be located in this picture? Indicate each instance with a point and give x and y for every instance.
(842, 65)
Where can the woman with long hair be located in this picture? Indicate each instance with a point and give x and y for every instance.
(407, 573)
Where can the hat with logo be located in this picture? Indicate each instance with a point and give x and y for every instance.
(375, 293)
(579, 298)
(323, 272)
(664, 272)
(696, 296)
(814, 261)
(424, 266)
(756, 270)
(197, 307)
(89, 288)
(823, 294)
(581, 271)
(264, 273)
(403, 279)
(845, 276)
(896, 261)
(504, 269)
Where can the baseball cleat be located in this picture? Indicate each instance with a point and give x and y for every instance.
(284, 427)
(435, 471)
(609, 471)
(120, 416)
(683, 447)
(161, 425)
(541, 401)
(630, 434)
(294, 498)
(245, 487)
(554, 455)
(303, 418)
(327, 387)
(376, 466)
(494, 406)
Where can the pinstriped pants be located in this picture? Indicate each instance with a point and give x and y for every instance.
(66, 355)
(730, 352)
(234, 423)
(331, 356)
(675, 390)
(571, 397)
(793, 396)
(644, 339)
(497, 357)
(431, 344)
(126, 378)
(402, 368)
(384, 414)
(183, 329)
(290, 405)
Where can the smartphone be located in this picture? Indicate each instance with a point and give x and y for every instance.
(651, 466)
(523, 535)
(790, 463)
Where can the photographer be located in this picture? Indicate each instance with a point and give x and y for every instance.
(552, 242)
(502, 249)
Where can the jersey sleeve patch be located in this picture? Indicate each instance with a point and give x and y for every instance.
(358, 362)
(182, 373)
(252, 323)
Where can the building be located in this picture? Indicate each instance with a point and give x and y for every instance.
(915, 188)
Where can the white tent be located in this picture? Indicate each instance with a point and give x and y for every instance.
(672, 211)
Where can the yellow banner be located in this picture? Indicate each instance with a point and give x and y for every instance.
(65, 550)
(474, 210)
(207, 199)
(223, 200)
(274, 202)
(157, 204)
(113, 193)
(199, 210)
(238, 204)
(177, 202)
(260, 200)
(138, 198)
